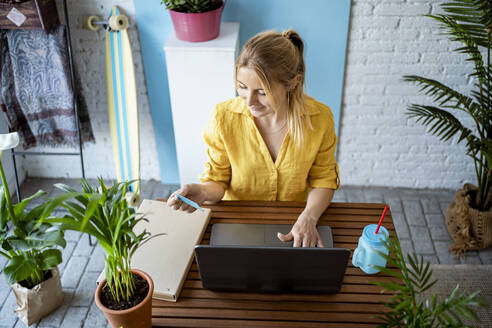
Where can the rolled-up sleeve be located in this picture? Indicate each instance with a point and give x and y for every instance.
(217, 167)
(324, 171)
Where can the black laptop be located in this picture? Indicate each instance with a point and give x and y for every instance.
(254, 266)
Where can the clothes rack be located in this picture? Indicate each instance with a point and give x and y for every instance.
(75, 99)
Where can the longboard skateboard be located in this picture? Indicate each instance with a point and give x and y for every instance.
(122, 99)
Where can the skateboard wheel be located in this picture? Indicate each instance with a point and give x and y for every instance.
(88, 23)
(118, 22)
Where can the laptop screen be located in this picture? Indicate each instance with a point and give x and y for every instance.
(271, 269)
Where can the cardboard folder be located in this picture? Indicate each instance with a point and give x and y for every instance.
(167, 259)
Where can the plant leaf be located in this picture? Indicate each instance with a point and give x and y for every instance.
(49, 258)
(92, 206)
(39, 240)
(19, 207)
(19, 268)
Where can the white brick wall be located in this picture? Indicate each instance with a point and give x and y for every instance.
(379, 145)
(88, 48)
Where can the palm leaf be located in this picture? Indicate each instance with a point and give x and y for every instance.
(468, 22)
(92, 206)
(86, 187)
(64, 187)
(104, 213)
(67, 223)
(406, 310)
(444, 124)
(54, 203)
(69, 189)
(482, 108)
(441, 93)
(76, 210)
(460, 34)
(474, 15)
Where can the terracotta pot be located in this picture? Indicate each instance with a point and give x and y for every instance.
(139, 316)
(197, 27)
(35, 303)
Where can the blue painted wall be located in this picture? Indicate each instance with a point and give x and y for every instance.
(323, 25)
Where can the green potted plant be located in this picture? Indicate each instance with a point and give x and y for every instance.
(409, 306)
(469, 217)
(125, 296)
(30, 248)
(195, 20)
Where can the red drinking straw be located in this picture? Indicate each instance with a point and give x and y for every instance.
(381, 219)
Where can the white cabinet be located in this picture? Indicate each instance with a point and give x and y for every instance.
(200, 75)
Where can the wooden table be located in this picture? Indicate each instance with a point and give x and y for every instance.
(354, 306)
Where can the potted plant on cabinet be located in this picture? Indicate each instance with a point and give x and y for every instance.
(195, 20)
(469, 217)
(125, 296)
(29, 246)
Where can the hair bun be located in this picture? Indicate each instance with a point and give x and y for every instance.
(295, 39)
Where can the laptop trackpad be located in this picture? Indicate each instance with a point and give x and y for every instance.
(238, 234)
(271, 231)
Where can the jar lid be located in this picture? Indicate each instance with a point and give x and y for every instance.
(375, 239)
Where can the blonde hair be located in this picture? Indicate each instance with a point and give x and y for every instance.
(278, 57)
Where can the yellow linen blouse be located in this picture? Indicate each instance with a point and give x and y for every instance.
(239, 160)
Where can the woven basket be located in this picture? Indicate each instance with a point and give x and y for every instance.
(470, 229)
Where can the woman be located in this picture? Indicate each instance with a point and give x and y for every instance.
(273, 142)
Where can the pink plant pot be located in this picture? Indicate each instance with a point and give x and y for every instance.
(197, 27)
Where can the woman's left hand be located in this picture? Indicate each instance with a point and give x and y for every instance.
(304, 232)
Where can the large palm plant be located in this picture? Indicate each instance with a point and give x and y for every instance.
(468, 22)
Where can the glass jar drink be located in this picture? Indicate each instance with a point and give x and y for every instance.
(365, 255)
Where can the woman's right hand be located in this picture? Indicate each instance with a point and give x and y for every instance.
(193, 191)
